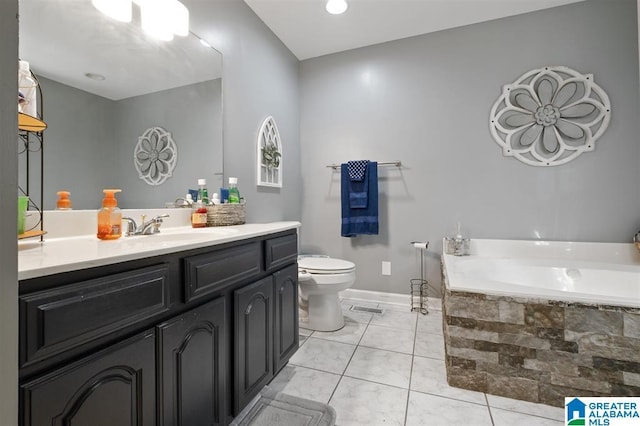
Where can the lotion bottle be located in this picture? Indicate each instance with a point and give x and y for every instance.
(109, 216)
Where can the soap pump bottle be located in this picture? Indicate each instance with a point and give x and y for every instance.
(109, 217)
(63, 203)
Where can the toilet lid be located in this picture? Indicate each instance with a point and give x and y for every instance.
(325, 265)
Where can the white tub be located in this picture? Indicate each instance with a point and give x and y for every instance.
(593, 273)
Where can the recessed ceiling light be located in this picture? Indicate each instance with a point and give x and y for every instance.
(336, 7)
(95, 76)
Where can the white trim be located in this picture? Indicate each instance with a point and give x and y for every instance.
(433, 303)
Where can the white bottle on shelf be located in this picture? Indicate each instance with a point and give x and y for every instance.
(28, 87)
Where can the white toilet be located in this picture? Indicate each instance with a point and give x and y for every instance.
(320, 278)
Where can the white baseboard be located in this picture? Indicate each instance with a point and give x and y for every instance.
(433, 303)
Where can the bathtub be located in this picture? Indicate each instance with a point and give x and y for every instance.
(599, 273)
(540, 321)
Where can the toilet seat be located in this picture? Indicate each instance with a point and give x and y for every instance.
(325, 265)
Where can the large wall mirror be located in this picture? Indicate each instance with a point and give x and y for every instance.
(104, 83)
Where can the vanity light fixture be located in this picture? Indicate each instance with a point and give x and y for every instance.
(161, 19)
(336, 7)
(119, 10)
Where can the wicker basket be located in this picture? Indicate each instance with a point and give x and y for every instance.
(226, 214)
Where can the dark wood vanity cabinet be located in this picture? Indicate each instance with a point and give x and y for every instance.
(266, 323)
(191, 363)
(253, 323)
(169, 340)
(286, 336)
(116, 386)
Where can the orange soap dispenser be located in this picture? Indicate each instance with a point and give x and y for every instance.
(63, 203)
(109, 216)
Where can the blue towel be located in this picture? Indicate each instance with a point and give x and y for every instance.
(360, 221)
(359, 184)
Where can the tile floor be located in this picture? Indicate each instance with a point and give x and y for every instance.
(389, 369)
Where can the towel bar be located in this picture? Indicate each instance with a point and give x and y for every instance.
(396, 163)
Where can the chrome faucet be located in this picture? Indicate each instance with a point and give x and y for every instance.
(183, 202)
(149, 227)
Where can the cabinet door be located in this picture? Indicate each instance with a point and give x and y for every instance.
(115, 386)
(191, 357)
(253, 306)
(286, 337)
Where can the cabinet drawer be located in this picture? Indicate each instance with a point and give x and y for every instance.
(65, 317)
(281, 251)
(209, 272)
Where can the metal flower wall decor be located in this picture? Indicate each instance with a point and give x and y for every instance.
(155, 156)
(549, 116)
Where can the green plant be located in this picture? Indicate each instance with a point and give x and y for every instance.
(271, 155)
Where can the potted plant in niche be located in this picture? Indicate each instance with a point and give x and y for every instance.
(271, 156)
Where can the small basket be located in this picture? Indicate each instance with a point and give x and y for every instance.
(226, 214)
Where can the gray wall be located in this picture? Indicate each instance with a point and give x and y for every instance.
(79, 143)
(8, 185)
(90, 141)
(426, 100)
(260, 78)
(193, 116)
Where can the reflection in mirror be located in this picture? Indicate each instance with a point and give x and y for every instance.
(94, 122)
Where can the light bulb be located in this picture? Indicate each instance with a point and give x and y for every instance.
(116, 9)
(336, 7)
(156, 19)
(180, 20)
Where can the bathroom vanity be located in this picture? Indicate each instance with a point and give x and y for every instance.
(183, 329)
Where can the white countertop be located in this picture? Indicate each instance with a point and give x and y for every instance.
(56, 255)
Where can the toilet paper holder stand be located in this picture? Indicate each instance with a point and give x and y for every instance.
(419, 285)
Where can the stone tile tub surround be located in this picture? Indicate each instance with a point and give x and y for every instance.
(536, 349)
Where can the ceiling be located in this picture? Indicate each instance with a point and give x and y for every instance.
(309, 31)
(65, 39)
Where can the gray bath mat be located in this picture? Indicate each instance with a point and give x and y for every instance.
(273, 408)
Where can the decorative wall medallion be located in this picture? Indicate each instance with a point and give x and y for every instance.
(269, 155)
(549, 116)
(155, 156)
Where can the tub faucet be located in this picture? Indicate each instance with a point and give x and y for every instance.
(149, 227)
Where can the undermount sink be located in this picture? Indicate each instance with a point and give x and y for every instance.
(186, 234)
(213, 230)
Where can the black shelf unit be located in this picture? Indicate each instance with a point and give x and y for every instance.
(31, 142)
